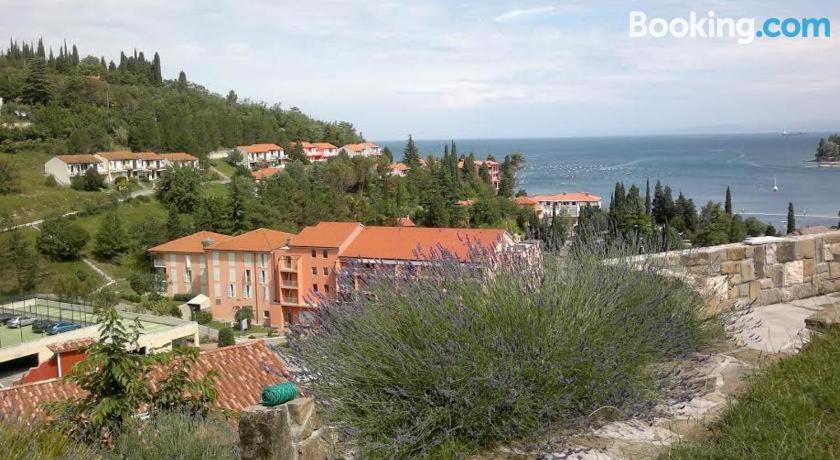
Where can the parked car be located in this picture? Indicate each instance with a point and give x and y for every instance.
(20, 321)
(63, 326)
(42, 325)
(5, 317)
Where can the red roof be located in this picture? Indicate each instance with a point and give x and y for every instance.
(127, 155)
(178, 156)
(244, 371)
(525, 200)
(190, 244)
(71, 345)
(78, 159)
(399, 167)
(576, 197)
(326, 234)
(261, 174)
(259, 240)
(417, 243)
(324, 146)
(259, 148)
(405, 222)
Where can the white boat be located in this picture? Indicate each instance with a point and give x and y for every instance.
(775, 186)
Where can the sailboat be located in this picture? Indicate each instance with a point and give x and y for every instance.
(775, 186)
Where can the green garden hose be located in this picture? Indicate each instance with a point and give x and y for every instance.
(275, 395)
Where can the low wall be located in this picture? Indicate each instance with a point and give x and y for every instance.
(762, 271)
(290, 431)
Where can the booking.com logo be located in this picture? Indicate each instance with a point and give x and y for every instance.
(710, 26)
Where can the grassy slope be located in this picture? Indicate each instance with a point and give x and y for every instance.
(37, 200)
(792, 410)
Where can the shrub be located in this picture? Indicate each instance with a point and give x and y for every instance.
(182, 297)
(22, 441)
(62, 239)
(50, 181)
(203, 317)
(174, 435)
(460, 359)
(226, 337)
(245, 313)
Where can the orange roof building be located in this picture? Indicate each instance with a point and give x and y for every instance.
(569, 204)
(259, 240)
(264, 173)
(190, 244)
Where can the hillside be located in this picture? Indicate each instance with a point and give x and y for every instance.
(62, 103)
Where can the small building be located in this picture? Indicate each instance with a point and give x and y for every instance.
(570, 204)
(399, 169)
(264, 173)
(180, 160)
(365, 149)
(148, 165)
(324, 151)
(492, 168)
(258, 156)
(66, 167)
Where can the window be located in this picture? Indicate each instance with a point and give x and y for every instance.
(215, 258)
(188, 275)
(248, 276)
(265, 293)
(262, 277)
(231, 290)
(265, 313)
(327, 288)
(231, 258)
(247, 257)
(314, 288)
(246, 292)
(217, 290)
(314, 270)
(326, 271)
(314, 253)
(325, 253)
(288, 261)
(263, 260)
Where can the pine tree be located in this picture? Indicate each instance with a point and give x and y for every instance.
(40, 51)
(182, 80)
(157, 77)
(727, 207)
(791, 219)
(647, 197)
(75, 57)
(411, 156)
(111, 239)
(23, 260)
(36, 87)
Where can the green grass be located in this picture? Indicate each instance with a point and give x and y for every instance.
(224, 167)
(215, 188)
(9, 337)
(791, 410)
(36, 200)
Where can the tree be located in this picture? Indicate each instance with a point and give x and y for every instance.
(245, 313)
(157, 77)
(10, 181)
(728, 202)
(22, 261)
(179, 187)
(234, 157)
(647, 197)
(61, 239)
(111, 239)
(90, 181)
(232, 97)
(182, 80)
(241, 196)
(117, 382)
(36, 86)
(791, 219)
(387, 154)
(411, 155)
(714, 226)
(176, 224)
(226, 337)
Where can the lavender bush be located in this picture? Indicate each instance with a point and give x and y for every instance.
(448, 358)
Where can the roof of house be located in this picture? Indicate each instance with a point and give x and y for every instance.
(405, 222)
(259, 148)
(259, 240)
(78, 159)
(323, 145)
(190, 244)
(326, 234)
(71, 345)
(524, 200)
(303, 144)
(127, 155)
(360, 147)
(577, 197)
(243, 372)
(400, 167)
(264, 173)
(418, 243)
(178, 156)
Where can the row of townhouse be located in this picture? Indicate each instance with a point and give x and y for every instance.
(113, 165)
(569, 204)
(401, 169)
(281, 276)
(262, 156)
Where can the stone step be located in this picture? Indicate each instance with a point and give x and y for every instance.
(824, 320)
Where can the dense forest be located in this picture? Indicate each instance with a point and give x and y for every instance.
(60, 102)
(829, 149)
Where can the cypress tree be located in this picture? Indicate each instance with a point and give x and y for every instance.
(23, 260)
(791, 219)
(182, 80)
(75, 56)
(727, 207)
(647, 197)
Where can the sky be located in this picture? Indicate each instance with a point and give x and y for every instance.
(470, 69)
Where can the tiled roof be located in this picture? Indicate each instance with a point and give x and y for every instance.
(259, 148)
(78, 159)
(265, 172)
(71, 345)
(417, 243)
(244, 371)
(259, 240)
(326, 234)
(525, 200)
(190, 244)
(303, 145)
(178, 156)
(126, 155)
(399, 167)
(323, 145)
(360, 147)
(578, 197)
(406, 222)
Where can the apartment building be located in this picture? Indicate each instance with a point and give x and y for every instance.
(492, 168)
(365, 149)
(66, 167)
(259, 156)
(284, 276)
(570, 204)
(183, 262)
(113, 165)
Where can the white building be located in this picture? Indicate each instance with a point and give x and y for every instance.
(258, 156)
(365, 149)
(570, 204)
(65, 167)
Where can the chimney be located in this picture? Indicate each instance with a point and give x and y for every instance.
(288, 242)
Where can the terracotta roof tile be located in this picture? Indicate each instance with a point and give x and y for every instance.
(259, 148)
(578, 197)
(261, 174)
(78, 159)
(71, 345)
(399, 167)
(327, 234)
(405, 222)
(190, 244)
(178, 156)
(259, 240)
(323, 145)
(126, 155)
(244, 371)
(417, 243)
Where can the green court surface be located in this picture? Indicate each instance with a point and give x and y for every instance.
(9, 337)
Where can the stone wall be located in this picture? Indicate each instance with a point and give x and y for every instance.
(763, 270)
(290, 431)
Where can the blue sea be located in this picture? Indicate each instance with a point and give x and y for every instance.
(701, 166)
